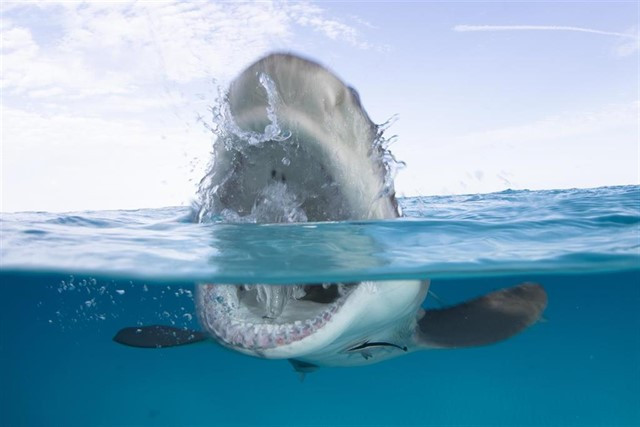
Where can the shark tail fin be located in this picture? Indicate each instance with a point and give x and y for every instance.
(484, 320)
(157, 336)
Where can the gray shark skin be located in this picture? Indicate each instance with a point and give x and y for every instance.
(313, 156)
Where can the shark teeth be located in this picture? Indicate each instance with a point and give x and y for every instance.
(223, 310)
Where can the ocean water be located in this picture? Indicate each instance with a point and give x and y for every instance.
(70, 281)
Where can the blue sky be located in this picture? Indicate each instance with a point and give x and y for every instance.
(100, 100)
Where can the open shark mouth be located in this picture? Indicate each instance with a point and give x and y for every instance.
(259, 317)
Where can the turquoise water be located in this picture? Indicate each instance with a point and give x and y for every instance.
(70, 281)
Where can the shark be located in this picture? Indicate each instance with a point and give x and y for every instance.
(298, 146)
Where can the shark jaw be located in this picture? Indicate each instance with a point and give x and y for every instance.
(324, 320)
(257, 318)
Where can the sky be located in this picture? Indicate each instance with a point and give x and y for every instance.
(102, 104)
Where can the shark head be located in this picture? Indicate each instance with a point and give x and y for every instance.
(294, 145)
(298, 146)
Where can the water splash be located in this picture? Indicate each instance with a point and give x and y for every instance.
(226, 132)
(226, 129)
(277, 205)
(381, 145)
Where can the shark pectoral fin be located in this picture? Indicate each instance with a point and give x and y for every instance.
(157, 336)
(490, 318)
(302, 368)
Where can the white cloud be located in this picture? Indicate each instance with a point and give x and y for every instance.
(100, 99)
(113, 47)
(466, 28)
(309, 15)
(628, 44)
(46, 93)
(28, 68)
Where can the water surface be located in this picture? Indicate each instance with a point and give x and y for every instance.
(70, 281)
